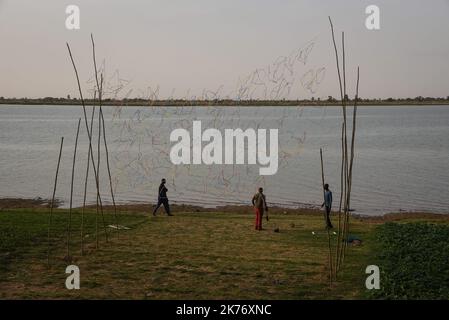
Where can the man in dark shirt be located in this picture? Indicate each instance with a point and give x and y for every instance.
(162, 199)
(328, 205)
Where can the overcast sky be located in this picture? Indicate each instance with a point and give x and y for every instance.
(188, 46)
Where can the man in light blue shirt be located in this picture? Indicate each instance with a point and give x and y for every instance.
(328, 205)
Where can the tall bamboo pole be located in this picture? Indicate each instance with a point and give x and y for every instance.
(344, 104)
(354, 123)
(344, 66)
(328, 233)
(348, 200)
(85, 181)
(53, 199)
(340, 233)
(109, 173)
(89, 133)
(347, 162)
(336, 57)
(69, 224)
(98, 171)
(100, 96)
(345, 226)
(345, 140)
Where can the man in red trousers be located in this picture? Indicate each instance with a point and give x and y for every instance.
(260, 205)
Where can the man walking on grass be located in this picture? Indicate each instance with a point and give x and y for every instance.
(328, 205)
(162, 199)
(260, 205)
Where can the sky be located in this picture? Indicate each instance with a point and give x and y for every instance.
(189, 47)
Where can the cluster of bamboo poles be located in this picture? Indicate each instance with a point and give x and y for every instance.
(336, 257)
(91, 162)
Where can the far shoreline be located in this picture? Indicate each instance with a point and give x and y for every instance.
(224, 103)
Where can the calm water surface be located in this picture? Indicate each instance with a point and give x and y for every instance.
(401, 160)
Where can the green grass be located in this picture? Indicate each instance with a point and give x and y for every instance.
(414, 261)
(189, 256)
(24, 233)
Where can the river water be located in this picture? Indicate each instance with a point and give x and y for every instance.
(401, 155)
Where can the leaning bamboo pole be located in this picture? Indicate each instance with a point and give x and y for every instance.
(344, 67)
(344, 105)
(354, 125)
(69, 224)
(340, 233)
(89, 133)
(99, 141)
(109, 173)
(346, 160)
(85, 182)
(53, 200)
(100, 96)
(328, 233)
(344, 135)
(98, 178)
(342, 167)
(348, 199)
(346, 206)
(336, 56)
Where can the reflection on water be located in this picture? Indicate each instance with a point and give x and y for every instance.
(400, 164)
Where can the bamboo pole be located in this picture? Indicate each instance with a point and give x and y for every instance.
(344, 233)
(354, 122)
(89, 133)
(99, 145)
(69, 224)
(354, 125)
(344, 142)
(85, 181)
(344, 157)
(344, 104)
(343, 97)
(336, 57)
(344, 66)
(98, 172)
(109, 173)
(328, 233)
(100, 96)
(337, 255)
(53, 199)
(343, 175)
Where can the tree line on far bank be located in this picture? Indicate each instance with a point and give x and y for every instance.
(225, 102)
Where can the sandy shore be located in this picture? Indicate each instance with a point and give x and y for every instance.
(36, 203)
(17, 203)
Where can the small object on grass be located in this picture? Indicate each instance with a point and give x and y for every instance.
(119, 227)
(354, 240)
(292, 225)
(316, 233)
(276, 230)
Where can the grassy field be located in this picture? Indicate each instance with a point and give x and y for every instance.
(193, 255)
